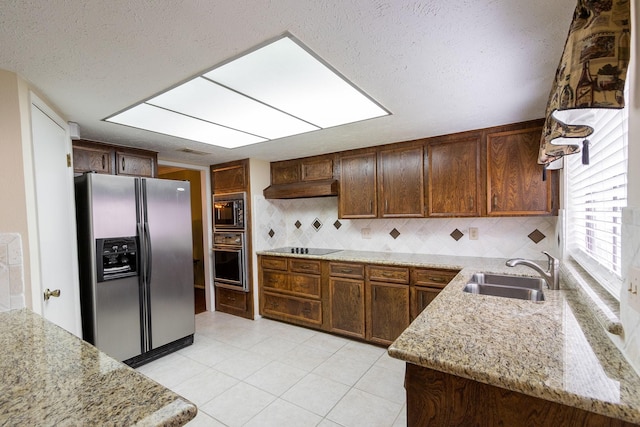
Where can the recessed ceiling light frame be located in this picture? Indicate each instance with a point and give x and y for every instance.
(275, 90)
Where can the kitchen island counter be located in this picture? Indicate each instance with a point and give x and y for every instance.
(50, 377)
(554, 350)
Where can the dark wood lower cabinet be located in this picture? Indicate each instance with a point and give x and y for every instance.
(438, 399)
(234, 302)
(421, 297)
(346, 298)
(300, 310)
(387, 311)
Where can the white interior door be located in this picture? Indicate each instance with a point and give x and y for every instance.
(55, 213)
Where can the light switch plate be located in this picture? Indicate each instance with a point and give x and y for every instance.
(366, 233)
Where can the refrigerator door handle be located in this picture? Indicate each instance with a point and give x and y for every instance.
(147, 240)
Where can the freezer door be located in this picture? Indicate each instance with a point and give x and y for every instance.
(113, 205)
(170, 269)
(117, 318)
(107, 208)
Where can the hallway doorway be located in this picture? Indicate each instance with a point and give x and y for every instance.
(199, 255)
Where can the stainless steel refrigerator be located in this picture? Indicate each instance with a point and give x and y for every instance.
(136, 265)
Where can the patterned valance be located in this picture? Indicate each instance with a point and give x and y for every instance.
(591, 75)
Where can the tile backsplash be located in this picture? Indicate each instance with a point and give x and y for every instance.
(314, 222)
(11, 272)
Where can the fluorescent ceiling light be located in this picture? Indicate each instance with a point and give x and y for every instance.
(275, 91)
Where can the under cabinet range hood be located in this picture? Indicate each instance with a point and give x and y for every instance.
(299, 190)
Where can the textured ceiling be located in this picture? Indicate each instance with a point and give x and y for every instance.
(439, 66)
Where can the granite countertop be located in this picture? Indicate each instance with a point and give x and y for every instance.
(555, 350)
(49, 377)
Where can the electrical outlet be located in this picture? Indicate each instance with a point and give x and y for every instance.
(634, 288)
(473, 233)
(366, 233)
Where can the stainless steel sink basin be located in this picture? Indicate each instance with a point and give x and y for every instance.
(503, 285)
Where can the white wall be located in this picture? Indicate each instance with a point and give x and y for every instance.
(14, 135)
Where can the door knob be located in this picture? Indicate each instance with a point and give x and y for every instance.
(48, 294)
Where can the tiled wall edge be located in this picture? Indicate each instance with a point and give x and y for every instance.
(11, 272)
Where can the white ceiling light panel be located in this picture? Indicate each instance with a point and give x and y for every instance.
(209, 101)
(155, 119)
(275, 91)
(286, 76)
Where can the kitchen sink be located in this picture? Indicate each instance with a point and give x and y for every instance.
(506, 286)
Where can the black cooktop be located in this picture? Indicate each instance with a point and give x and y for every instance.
(305, 251)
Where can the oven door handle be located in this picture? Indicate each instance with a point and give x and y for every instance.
(228, 248)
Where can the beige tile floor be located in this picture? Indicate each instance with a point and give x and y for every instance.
(265, 373)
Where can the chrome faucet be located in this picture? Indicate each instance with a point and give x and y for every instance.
(551, 276)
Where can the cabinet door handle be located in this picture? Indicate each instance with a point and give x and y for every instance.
(346, 270)
(231, 298)
(386, 205)
(470, 203)
(437, 279)
(370, 206)
(495, 201)
(104, 162)
(123, 164)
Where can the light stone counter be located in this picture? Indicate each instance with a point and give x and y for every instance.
(555, 350)
(49, 377)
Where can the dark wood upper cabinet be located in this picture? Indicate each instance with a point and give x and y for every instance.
(134, 165)
(286, 172)
(477, 173)
(514, 178)
(401, 182)
(91, 156)
(453, 177)
(358, 195)
(230, 177)
(316, 168)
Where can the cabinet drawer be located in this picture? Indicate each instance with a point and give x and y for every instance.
(275, 280)
(294, 308)
(379, 273)
(274, 263)
(305, 265)
(305, 285)
(354, 271)
(432, 277)
(234, 299)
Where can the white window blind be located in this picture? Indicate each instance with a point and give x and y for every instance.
(596, 195)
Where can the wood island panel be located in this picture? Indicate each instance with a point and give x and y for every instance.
(439, 399)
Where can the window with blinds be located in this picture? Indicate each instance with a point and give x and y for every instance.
(596, 194)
